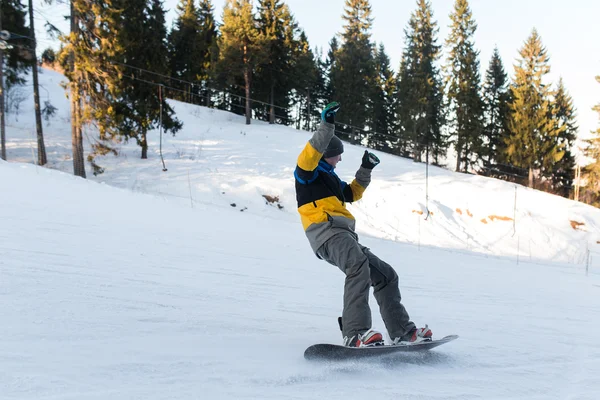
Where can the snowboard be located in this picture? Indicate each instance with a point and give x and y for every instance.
(334, 352)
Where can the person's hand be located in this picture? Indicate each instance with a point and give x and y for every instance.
(369, 160)
(328, 114)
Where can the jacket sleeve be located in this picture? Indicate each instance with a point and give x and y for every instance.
(355, 190)
(308, 160)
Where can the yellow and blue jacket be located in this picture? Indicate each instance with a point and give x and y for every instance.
(321, 194)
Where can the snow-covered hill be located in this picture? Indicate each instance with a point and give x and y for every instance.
(189, 284)
(217, 160)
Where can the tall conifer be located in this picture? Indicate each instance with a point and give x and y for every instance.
(463, 85)
(382, 98)
(532, 143)
(208, 49)
(273, 79)
(185, 50)
(14, 62)
(142, 37)
(42, 160)
(328, 67)
(562, 173)
(419, 95)
(591, 172)
(354, 68)
(241, 46)
(308, 83)
(495, 98)
(94, 78)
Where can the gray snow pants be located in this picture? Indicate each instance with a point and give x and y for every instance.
(364, 269)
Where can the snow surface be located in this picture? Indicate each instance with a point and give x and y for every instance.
(187, 284)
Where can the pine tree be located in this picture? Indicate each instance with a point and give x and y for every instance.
(142, 37)
(328, 68)
(14, 62)
(495, 98)
(591, 172)
(308, 83)
(17, 59)
(273, 79)
(419, 95)
(320, 95)
(241, 46)
(465, 106)
(208, 48)
(69, 60)
(532, 140)
(94, 79)
(185, 50)
(561, 173)
(354, 68)
(42, 159)
(384, 86)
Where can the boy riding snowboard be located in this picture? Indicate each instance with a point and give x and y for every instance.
(329, 227)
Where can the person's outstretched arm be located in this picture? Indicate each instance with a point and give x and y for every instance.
(355, 190)
(308, 160)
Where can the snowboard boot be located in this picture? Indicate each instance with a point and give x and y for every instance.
(367, 339)
(415, 336)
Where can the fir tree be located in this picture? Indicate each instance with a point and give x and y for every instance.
(495, 98)
(42, 160)
(94, 79)
(308, 83)
(17, 60)
(142, 37)
(561, 173)
(328, 67)
(353, 70)
(241, 46)
(591, 172)
(274, 80)
(14, 62)
(208, 48)
(465, 106)
(185, 50)
(419, 96)
(532, 143)
(384, 86)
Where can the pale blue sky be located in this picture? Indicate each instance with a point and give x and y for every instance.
(569, 30)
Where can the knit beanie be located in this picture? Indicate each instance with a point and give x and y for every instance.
(335, 148)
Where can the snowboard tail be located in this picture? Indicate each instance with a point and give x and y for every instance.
(336, 352)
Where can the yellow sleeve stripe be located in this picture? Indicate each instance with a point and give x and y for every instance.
(308, 160)
(357, 190)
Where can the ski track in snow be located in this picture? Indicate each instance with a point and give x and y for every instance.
(124, 290)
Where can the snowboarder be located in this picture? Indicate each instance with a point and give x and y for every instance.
(329, 227)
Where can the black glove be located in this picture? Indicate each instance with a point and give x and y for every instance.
(369, 160)
(328, 114)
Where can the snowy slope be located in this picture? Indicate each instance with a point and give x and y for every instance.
(217, 160)
(107, 293)
(151, 285)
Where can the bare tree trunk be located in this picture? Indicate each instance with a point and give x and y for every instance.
(144, 146)
(531, 177)
(76, 134)
(208, 96)
(42, 160)
(247, 81)
(417, 144)
(272, 110)
(459, 149)
(2, 122)
(308, 111)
